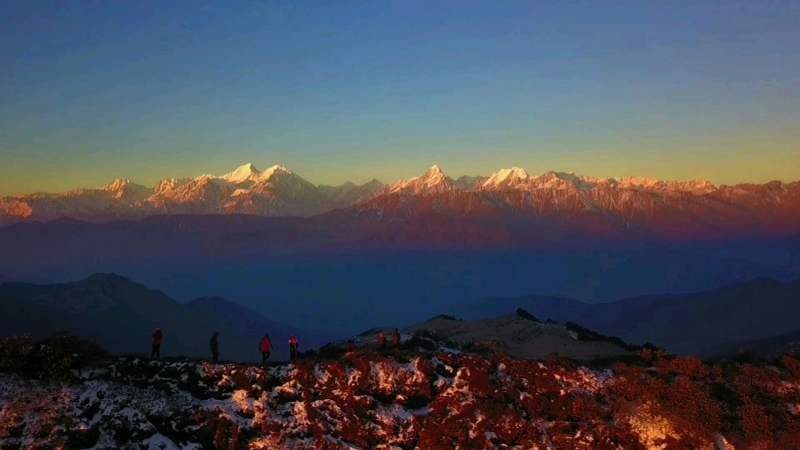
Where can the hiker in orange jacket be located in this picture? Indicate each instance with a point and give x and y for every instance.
(266, 348)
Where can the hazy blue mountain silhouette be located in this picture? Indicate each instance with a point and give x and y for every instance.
(120, 315)
(323, 275)
(768, 348)
(696, 323)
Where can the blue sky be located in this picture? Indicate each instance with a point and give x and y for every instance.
(91, 91)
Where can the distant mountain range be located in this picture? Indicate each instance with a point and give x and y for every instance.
(431, 242)
(712, 322)
(768, 348)
(276, 191)
(120, 315)
(507, 207)
(515, 208)
(759, 315)
(343, 274)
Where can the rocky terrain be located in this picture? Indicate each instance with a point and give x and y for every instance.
(423, 395)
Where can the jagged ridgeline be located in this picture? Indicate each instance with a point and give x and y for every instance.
(605, 208)
(424, 394)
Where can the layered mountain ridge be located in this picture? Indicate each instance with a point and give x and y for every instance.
(704, 323)
(276, 191)
(120, 314)
(487, 208)
(513, 207)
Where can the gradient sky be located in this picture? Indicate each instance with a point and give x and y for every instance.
(91, 91)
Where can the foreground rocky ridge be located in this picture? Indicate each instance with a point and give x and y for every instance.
(408, 398)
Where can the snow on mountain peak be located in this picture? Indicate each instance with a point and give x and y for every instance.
(693, 186)
(277, 168)
(123, 188)
(562, 181)
(506, 177)
(117, 185)
(434, 176)
(249, 173)
(242, 173)
(168, 184)
(434, 181)
(434, 171)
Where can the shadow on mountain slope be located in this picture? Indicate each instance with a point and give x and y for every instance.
(120, 315)
(696, 323)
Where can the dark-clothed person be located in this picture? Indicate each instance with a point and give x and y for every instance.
(214, 344)
(158, 338)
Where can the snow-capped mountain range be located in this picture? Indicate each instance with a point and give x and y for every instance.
(512, 206)
(605, 206)
(276, 191)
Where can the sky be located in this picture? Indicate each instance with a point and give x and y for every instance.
(350, 90)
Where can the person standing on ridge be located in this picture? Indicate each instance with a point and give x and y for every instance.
(214, 344)
(396, 338)
(266, 348)
(293, 346)
(381, 340)
(158, 337)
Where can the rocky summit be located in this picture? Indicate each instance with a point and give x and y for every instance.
(407, 398)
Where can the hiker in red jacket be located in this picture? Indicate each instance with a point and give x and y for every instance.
(396, 338)
(158, 337)
(266, 348)
(381, 340)
(293, 346)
